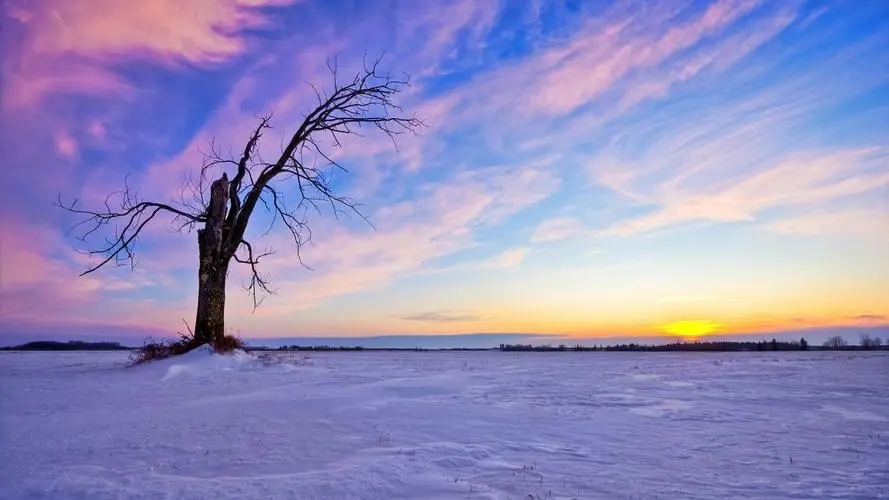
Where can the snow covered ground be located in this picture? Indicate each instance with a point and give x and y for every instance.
(436, 425)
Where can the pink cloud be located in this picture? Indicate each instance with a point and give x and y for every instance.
(605, 51)
(615, 60)
(30, 277)
(859, 222)
(202, 31)
(556, 229)
(26, 87)
(507, 259)
(799, 180)
(39, 269)
(512, 257)
(66, 145)
(56, 48)
(21, 248)
(67, 43)
(729, 51)
(371, 153)
(431, 34)
(742, 157)
(98, 130)
(235, 119)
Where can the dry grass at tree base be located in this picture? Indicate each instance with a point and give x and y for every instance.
(152, 350)
(228, 344)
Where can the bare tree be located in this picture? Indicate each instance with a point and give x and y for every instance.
(296, 183)
(835, 342)
(869, 342)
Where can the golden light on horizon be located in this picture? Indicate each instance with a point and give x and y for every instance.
(691, 329)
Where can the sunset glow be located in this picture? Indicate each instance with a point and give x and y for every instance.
(589, 169)
(691, 329)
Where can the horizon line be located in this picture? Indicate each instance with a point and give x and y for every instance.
(451, 340)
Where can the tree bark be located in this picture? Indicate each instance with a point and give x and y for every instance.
(213, 260)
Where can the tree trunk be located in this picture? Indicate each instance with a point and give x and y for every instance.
(209, 325)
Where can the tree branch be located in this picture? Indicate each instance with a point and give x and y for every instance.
(257, 281)
(129, 221)
(367, 99)
(243, 171)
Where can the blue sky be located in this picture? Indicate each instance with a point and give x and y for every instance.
(589, 168)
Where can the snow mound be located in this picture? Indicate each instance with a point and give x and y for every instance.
(203, 360)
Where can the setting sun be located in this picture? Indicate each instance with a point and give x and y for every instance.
(691, 328)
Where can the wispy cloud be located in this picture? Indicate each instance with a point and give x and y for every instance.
(38, 268)
(595, 61)
(874, 318)
(442, 317)
(445, 219)
(506, 259)
(559, 228)
(861, 222)
(622, 56)
(799, 180)
(436, 35)
(749, 156)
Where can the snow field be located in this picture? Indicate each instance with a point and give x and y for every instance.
(446, 425)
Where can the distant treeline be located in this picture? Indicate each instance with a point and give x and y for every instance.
(700, 346)
(73, 345)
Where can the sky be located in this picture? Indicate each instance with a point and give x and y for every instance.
(587, 169)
